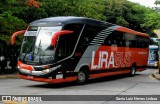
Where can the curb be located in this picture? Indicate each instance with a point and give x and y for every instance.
(156, 74)
(5, 76)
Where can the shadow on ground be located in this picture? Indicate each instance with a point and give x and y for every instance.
(91, 81)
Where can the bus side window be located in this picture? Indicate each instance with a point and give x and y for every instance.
(66, 43)
(86, 41)
(108, 42)
(127, 43)
(121, 43)
(142, 42)
(114, 42)
(133, 43)
(117, 37)
(88, 34)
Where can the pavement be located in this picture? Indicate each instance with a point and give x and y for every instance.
(156, 74)
(3, 76)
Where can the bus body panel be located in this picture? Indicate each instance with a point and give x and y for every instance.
(104, 49)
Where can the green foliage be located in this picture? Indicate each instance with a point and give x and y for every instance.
(87, 8)
(90, 8)
(9, 24)
(29, 14)
(115, 10)
(132, 15)
(157, 2)
(6, 2)
(15, 14)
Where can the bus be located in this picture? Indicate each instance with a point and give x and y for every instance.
(153, 56)
(66, 49)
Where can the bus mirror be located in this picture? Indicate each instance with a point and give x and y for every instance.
(15, 34)
(57, 34)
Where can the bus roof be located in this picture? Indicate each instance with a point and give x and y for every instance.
(61, 20)
(52, 21)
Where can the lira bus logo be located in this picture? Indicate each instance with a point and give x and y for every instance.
(105, 59)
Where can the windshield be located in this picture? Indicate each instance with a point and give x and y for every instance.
(36, 46)
(153, 55)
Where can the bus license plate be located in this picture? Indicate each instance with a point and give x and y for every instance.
(30, 77)
(59, 76)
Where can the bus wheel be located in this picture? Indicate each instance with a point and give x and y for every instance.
(133, 71)
(82, 77)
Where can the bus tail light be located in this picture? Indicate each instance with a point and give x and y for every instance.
(156, 64)
(59, 33)
(15, 34)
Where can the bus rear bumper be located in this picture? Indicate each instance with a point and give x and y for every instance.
(153, 64)
(48, 80)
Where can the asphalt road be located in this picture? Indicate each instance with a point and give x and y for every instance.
(141, 84)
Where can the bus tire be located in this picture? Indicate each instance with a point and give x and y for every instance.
(82, 77)
(133, 71)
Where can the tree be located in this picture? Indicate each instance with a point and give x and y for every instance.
(9, 24)
(157, 2)
(115, 10)
(32, 3)
(88, 8)
(6, 2)
(121, 12)
(132, 15)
